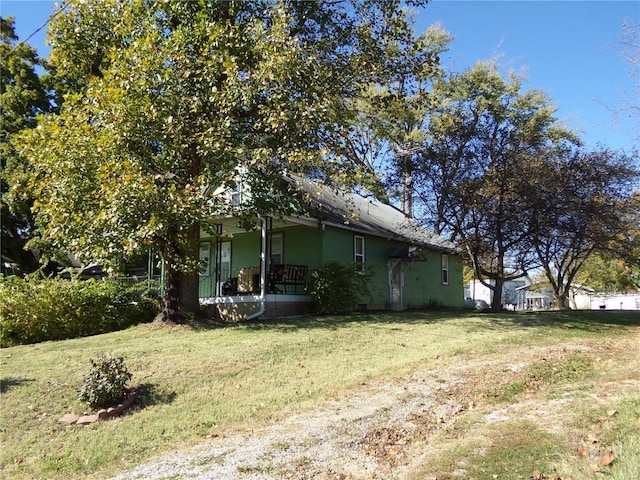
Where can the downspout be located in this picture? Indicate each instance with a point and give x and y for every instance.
(263, 270)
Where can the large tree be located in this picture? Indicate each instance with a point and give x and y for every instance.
(23, 95)
(172, 98)
(486, 138)
(386, 136)
(584, 206)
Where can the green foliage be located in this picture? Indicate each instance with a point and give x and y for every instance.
(605, 274)
(105, 384)
(170, 100)
(36, 310)
(485, 132)
(22, 95)
(338, 287)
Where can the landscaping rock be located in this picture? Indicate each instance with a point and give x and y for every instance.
(87, 419)
(103, 414)
(69, 419)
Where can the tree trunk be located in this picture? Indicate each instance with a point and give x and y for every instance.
(171, 309)
(496, 303)
(189, 294)
(562, 301)
(181, 296)
(190, 281)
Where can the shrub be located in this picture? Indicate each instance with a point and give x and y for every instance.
(338, 287)
(36, 309)
(106, 383)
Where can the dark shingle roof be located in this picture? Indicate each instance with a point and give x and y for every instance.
(368, 216)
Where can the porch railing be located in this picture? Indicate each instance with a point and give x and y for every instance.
(282, 279)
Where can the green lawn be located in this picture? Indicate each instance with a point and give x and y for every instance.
(219, 378)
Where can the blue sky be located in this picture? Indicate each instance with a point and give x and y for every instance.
(570, 49)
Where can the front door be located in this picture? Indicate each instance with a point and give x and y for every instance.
(396, 281)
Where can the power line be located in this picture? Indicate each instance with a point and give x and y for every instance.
(63, 6)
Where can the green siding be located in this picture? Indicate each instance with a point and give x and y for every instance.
(317, 246)
(423, 283)
(337, 245)
(245, 251)
(302, 246)
(423, 279)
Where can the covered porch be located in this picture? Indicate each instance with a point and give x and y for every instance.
(251, 274)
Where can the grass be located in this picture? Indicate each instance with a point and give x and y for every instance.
(215, 379)
(510, 450)
(615, 427)
(546, 374)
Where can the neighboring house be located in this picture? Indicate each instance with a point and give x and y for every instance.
(539, 295)
(524, 294)
(264, 272)
(512, 296)
(535, 296)
(615, 301)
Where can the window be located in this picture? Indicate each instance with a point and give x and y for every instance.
(358, 252)
(205, 253)
(225, 260)
(236, 195)
(277, 249)
(445, 269)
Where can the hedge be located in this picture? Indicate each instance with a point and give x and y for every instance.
(35, 310)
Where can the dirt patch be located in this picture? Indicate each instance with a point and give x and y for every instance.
(386, 431)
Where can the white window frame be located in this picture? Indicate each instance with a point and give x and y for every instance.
(444, 259)
(359, 253)
(236, 195)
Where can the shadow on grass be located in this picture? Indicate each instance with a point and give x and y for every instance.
(592, 321)
(335, 322)
(148, 394)
(7, 383)
(588, 321)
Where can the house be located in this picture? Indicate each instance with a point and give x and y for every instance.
(614, 301)
(539, 295)
(263, 272)
(534, 296)
(513, 296)
(525, 294)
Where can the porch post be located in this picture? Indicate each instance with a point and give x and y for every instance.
(217, 277)
(264, 230)
(263, 270)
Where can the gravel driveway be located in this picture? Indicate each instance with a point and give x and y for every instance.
(383, 431)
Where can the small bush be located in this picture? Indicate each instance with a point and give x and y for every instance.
(37, 309)
(338, 287)
(105, 385)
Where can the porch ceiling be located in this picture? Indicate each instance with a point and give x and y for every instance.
(230, 224)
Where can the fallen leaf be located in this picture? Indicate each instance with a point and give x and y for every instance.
(594, 468)
(582, 451)
(612, 413)
(393, 450)
(608, 458)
